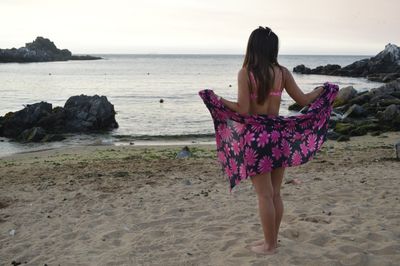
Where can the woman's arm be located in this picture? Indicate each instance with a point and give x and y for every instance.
(296, 93)
(242, 106)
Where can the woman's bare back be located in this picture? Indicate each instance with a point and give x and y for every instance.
(272, 102)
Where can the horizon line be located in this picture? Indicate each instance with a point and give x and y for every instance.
(235, 54)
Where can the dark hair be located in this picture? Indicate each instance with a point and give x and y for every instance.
(261, 56)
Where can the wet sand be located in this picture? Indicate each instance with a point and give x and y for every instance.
(107, 205)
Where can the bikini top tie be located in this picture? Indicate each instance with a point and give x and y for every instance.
(275, 92)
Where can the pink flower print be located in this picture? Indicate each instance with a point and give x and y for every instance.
(298, 136)
(248, 138)
(291, 126)
(284, 134)
(262, 139)
(307, 132)
(227, 150)
(250, 156)
(321, 123)
(312, 141)
(277, 153)
(218, 139)
(251, 173)
(241, 141)
(226, 133)
(304, 124)
(233, 165)
(242, 171)
(239, 128)
(304, 149)
(317, 104)
(296, 158)
(228, 171)
(265, 164)
(286, 150)
(235, 147)
(275, 135)
(258, 127)
(221, 157)
(220, 115)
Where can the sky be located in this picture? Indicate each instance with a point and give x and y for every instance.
(347, 27)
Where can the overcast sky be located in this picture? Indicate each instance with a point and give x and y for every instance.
(201, 26)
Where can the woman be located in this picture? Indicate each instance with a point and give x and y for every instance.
(254, 141)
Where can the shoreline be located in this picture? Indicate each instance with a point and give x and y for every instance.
(86, 140)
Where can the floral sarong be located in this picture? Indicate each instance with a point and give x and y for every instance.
(248, 145)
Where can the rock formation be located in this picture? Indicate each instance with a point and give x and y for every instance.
(42, 122)
(383, 67)
(374, 111)
(40, 50)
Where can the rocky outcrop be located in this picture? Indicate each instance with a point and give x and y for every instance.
(41, 122)
(359, 113)
(40, 50)
(384, 67)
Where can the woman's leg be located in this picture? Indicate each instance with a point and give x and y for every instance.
(276, 178)
(264, 189)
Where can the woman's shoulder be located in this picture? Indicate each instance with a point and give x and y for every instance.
(243, 73)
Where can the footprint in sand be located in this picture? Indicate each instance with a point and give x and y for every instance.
(316, 219)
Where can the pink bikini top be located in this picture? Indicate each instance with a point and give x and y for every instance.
(274, 92)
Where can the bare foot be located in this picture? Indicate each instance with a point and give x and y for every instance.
(263, 249)
(260, 242)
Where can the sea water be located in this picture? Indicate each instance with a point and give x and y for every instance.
(134, 84)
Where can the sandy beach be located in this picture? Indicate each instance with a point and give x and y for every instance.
(131, 205)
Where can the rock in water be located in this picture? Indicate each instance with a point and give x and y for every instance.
(40, 122)
(383, 67)
(88, 113)
(13, 124)
(34, 134)
(40, 50)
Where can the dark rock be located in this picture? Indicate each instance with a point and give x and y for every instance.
(40, 122)
(295, 107)
(40, 50)
(302, 69)
(343, 128)
(359, 131)
(390, 113)
(355, 111)
(384, 67)
(184, 153)
(343, 138)
(344, 95)
(52, 137)
(360, 99)
(13, 124)
(397, 150)
(376, 133)
(390, 117)
(34, 134)
(332, 135)
(89, 113)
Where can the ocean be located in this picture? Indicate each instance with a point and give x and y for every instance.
(136, 83)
